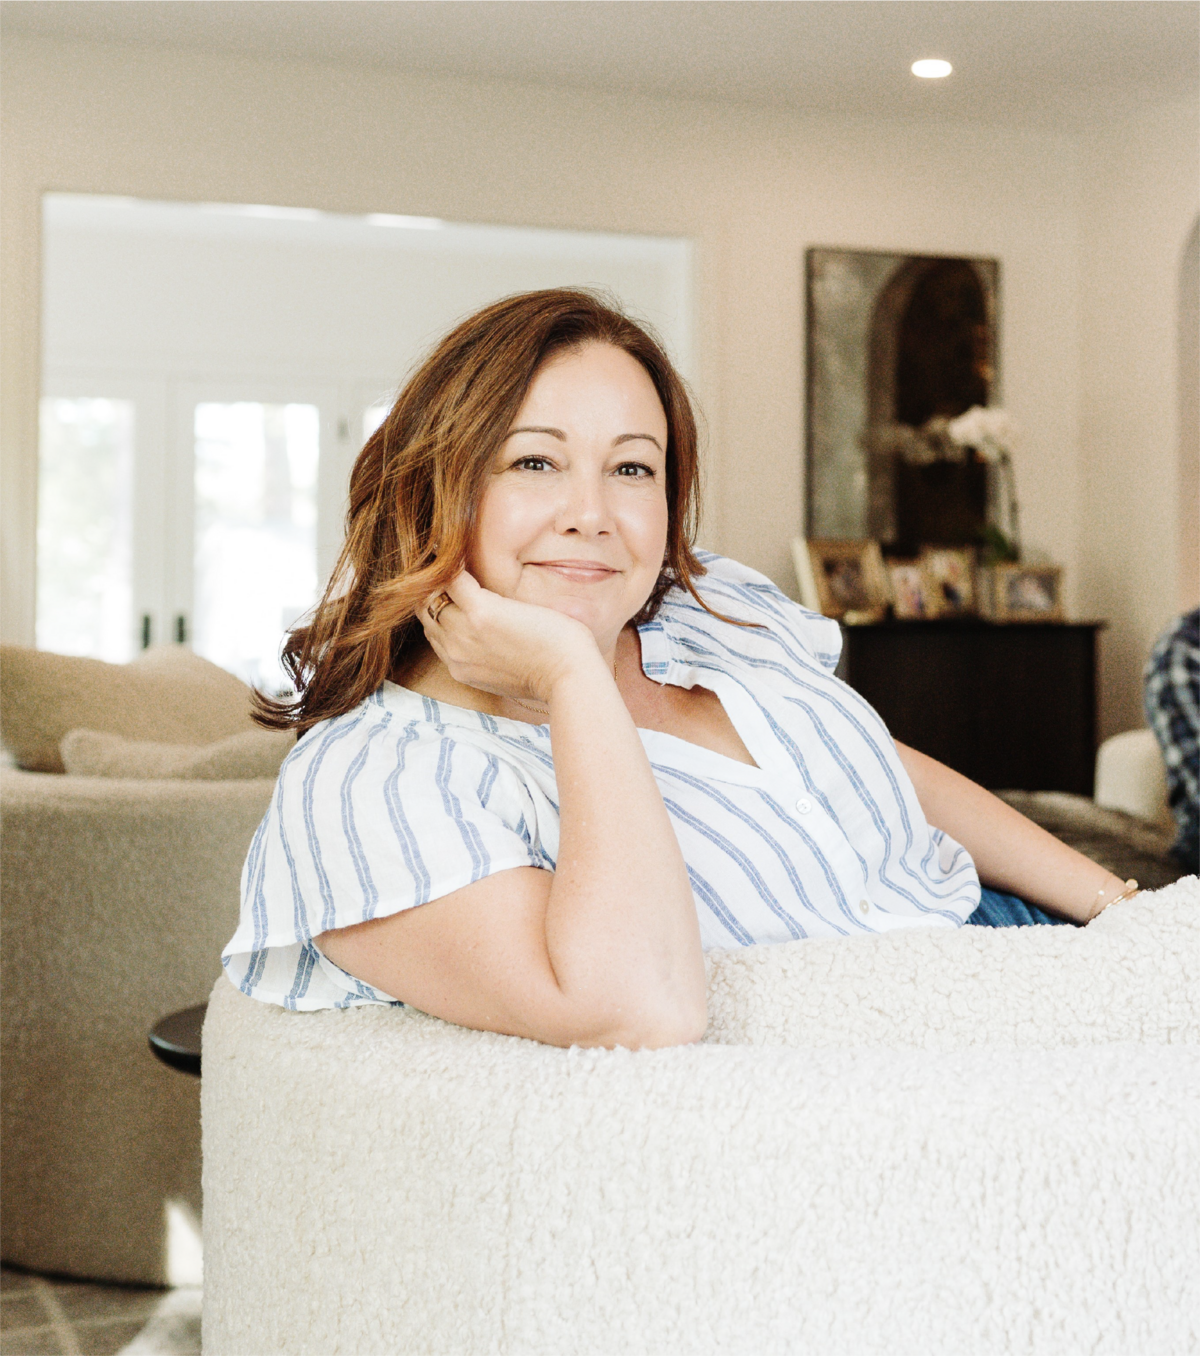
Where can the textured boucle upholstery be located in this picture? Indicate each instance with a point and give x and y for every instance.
(968, 1142)
(1132, 975)
(118, 897)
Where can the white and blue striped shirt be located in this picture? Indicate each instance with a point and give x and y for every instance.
(405, 799)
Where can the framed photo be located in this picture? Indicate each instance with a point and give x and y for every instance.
(1024, 592)
(950, 580)
(912, 595)
(851, 582)
(805, 579)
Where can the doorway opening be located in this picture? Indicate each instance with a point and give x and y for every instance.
(210, 373)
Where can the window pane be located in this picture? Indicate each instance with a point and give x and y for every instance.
(256, 532)
(85, 521)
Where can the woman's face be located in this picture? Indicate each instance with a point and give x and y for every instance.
(574, 514)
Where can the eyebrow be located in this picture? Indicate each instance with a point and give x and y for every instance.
(562, 437)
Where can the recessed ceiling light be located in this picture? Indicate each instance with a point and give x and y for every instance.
(932, 69)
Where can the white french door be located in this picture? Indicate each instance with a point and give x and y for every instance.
(207, 513)
(257, 507)
(100, 514)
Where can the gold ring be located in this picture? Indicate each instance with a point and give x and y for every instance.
(439, 605)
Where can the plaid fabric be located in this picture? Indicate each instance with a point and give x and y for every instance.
(1173, 713)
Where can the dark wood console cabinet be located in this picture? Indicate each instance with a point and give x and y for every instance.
(1011, 705)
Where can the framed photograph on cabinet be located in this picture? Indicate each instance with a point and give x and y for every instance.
(806, 580)
(851, 581)
(1022, 592)
(950, 575)
(912, 594)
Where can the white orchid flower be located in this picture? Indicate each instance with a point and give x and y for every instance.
(990, 430)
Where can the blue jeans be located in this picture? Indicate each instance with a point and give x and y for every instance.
(1007, 911)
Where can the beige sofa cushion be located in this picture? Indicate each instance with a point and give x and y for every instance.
(168, 695)
(253, 753)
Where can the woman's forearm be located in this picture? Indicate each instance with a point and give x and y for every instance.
(1011, 853)
(621, 928)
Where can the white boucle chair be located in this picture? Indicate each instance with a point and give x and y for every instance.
(925, 1142)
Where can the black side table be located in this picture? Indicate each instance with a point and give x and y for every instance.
(175, 1039)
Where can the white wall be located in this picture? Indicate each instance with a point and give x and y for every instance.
(753, 188)
(1187, 513)
(212, 289)
(1140, 200)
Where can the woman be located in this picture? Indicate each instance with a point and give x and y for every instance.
(585, 752)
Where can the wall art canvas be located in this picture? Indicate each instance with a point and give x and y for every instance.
(897, 346)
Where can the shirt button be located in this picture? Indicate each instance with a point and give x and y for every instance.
(804, 805)
(864, 906)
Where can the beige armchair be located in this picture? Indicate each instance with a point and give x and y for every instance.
(118, 897)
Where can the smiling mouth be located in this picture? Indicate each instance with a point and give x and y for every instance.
(578, 571)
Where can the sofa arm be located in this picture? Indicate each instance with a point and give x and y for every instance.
(1131, 776)
(118, 897)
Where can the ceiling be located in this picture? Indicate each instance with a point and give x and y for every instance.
(1047, 64)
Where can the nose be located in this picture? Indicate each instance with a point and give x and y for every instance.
(584, 509)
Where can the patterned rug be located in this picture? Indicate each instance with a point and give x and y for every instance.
(49, 1316)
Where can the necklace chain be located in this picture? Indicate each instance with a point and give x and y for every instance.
(539, 708)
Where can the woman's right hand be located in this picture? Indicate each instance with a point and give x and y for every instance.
(605, 948)
(503, 646)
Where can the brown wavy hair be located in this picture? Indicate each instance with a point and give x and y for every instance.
(416, 487)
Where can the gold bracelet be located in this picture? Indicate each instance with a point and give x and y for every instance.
(1131, 888)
